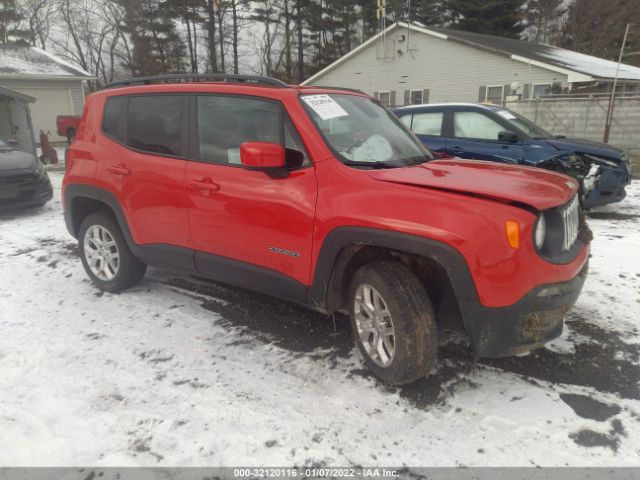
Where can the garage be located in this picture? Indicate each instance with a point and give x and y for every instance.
(50, 103)
(15, 119)
(57, 86)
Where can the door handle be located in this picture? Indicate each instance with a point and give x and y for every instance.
(204, 184)
(119, 169)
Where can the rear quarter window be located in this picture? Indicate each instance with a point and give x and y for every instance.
(112, 125)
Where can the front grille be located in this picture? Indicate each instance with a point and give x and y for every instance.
(13, 179)
(570, 222)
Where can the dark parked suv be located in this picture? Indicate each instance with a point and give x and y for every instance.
(23, 180)
(322, 197)
(490, 132)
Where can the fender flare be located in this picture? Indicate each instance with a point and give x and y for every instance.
(445, 255)
(75, 191)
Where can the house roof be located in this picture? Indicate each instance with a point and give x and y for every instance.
(5, 92)
(596, 67)
(18, 61)
(577, 66)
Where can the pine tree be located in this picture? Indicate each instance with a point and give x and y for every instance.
(504, 18)
(428, 12)
(544, 20)
(10, 19)
(157, 47)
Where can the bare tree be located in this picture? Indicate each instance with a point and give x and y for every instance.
(93, 36)
(40, 16)
(595, 27)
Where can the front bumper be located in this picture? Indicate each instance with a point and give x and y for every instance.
(528, 324)
(610, 186)
(28, 192)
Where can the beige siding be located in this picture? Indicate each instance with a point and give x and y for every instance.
(53, 98)
(453, 72)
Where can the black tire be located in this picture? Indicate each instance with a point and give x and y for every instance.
(413, 319)
(130, 270)
(71, 135)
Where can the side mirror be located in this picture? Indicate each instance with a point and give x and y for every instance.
(262, 156)
(509, 137)
(13, 142)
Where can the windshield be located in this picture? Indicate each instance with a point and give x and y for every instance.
(363, 133)
(4, 144)
(521, 123)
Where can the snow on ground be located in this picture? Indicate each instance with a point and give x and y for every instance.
(179, 371)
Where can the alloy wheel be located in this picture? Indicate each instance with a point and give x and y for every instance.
(101, 252)
(375, 325)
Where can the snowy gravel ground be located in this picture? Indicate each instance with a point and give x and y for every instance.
(179, 371)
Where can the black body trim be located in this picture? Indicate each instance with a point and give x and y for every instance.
(446, 256)
(251, 277)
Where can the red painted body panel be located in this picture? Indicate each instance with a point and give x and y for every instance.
(474, 226)
(528, 185)
(235, 213)
(247, 212)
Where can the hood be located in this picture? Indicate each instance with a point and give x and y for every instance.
(12, 160)
(535, 187)
(581, 145)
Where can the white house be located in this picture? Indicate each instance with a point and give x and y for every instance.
(412, 64)
(55, 86)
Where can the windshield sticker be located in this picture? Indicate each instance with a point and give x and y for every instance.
(325, 106)
(506, 114)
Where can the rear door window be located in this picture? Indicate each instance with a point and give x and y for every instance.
(428, 123)
(154, 124)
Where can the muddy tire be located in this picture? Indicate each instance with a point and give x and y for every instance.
(393, 322)
(106, 256)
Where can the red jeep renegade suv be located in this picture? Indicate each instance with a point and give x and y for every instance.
(321, 196)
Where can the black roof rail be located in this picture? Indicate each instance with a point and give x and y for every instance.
(354, 90)
(199, 77)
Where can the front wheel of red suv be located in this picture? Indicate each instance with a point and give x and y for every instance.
(393, 322)
(106, 256)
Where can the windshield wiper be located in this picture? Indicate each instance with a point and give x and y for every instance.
(373, 165)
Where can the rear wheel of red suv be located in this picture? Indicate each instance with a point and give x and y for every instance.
(393, 322)
(106, 256)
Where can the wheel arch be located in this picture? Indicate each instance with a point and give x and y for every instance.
(82, 200)
(440, 267)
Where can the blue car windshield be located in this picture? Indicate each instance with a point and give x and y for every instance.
(522, 124)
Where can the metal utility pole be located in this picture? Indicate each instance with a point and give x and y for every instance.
(607, 126)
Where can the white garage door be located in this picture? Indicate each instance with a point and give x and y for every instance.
(50, 102)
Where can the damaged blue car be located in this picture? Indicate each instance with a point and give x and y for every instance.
(494, 133)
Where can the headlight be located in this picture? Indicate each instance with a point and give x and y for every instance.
(541, 231)
(39, 168)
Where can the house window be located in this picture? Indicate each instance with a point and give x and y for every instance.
(385, 98)
(416, 97)
(540, 89)
(495, 94)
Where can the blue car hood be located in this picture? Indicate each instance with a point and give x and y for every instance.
(581, 145)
